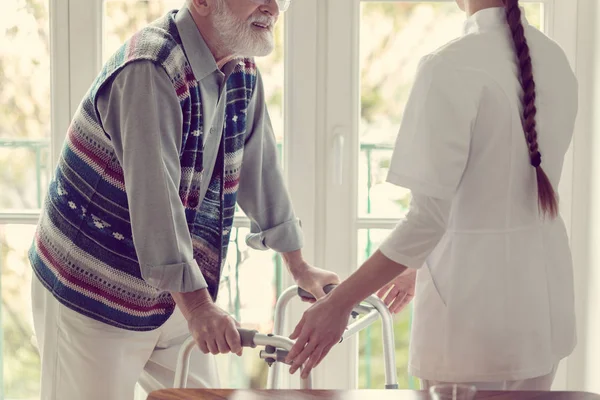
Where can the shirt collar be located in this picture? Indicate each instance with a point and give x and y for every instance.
(488, 18)
(201, 59)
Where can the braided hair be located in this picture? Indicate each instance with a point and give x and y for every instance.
(546, 197)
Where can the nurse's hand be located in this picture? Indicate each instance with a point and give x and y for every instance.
(320, 328)
(400, 291)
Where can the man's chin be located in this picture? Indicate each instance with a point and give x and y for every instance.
(264, 53)
(259, 51)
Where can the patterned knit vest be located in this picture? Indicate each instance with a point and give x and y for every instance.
(83, 249)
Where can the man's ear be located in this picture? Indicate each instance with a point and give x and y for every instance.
(201, 7)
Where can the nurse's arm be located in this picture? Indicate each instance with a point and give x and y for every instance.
(377, 271)
(407, 246)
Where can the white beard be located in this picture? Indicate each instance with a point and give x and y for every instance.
(241, 38)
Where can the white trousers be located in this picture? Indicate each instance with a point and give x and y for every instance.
(86, 359)
(541, 383)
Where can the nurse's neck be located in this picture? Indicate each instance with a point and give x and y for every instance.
(473, 6)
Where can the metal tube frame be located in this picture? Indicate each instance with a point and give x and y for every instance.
(183, 358)
(183, 363)
(376, 308)
(278, 323)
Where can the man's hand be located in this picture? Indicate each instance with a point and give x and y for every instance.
(400, 291)
(213, 329)
(309, 278)
(313, 280)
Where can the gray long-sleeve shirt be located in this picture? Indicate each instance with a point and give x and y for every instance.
(140, 111)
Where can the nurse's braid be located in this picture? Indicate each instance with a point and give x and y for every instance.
(546, 196)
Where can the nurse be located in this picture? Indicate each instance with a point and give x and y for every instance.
(481, 147)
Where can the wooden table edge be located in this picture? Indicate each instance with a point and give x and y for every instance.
(224, 394)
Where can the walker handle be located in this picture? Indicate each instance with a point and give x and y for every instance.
(247, 337)
(307, 296)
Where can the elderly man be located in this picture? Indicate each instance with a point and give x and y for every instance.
(130, 245)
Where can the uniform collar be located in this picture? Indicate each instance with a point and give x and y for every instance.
(201, 59)
(487, 19)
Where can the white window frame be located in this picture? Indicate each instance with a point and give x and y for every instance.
(583, 364)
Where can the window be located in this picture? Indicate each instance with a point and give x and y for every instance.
(25, 123)
(336, 87)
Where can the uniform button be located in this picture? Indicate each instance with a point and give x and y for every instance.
(212, 131)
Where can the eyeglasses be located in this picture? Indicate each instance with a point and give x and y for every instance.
(283, 4)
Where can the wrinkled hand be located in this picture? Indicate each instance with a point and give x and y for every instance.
(400, 291)
(320, 328)
(313, 280)
(214, 330)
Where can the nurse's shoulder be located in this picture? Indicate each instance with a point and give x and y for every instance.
(549, 58)
(454, 68)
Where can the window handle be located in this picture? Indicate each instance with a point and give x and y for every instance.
(338, 156)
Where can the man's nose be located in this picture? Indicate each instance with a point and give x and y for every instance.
(271, 9)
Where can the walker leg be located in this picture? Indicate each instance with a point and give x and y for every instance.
(183, 363)
(389, 349)
(389, 352)
(278, 323)
(306, 384)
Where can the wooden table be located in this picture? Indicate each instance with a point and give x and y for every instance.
(226, 394)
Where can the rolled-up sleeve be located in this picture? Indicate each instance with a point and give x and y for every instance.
(262, 192)
(140, 112)
(417, 235)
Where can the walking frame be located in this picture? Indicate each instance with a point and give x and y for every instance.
(277, 346)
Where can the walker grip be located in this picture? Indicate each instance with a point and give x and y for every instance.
(307, 296)
(247, 337)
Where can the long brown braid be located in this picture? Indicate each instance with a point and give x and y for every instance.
(546, 196)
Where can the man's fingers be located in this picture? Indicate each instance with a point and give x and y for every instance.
(234, 341)
(212, 346)
(318, 292)
(202, 346)
(222, 345)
